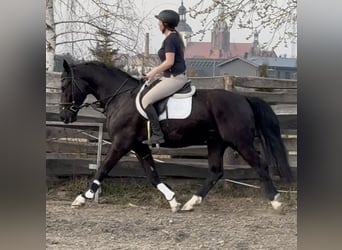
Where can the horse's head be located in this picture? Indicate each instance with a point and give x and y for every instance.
(73, 93)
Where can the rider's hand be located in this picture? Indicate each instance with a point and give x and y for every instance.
(150, 75)
(148, 80)
(144, 79)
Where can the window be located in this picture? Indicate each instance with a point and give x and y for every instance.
(271, 73)
(287, 75)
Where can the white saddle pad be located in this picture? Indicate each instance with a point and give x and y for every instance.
(178, 106)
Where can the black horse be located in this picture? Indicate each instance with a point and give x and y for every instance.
(218, 119)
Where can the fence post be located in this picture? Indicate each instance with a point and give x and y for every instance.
(228, 82)
(99, 143)
(98, 158)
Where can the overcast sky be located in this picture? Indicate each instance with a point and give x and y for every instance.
(150, 8)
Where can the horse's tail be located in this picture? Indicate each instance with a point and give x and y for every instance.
(267, 125)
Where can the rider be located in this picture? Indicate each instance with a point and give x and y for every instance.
(173, 68)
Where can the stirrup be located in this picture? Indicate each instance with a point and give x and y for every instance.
(154, 140)
(151, 142)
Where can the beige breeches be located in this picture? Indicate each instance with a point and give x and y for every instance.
(166, 87)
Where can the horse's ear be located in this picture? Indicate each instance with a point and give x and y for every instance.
(66, 66)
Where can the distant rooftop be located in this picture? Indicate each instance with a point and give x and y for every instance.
(203, 50)
(274, 61)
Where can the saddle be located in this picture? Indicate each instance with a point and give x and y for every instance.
(186, 91)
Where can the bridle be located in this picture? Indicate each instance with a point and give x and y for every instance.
(71, 106)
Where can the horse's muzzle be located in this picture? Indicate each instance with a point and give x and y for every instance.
(67, 116)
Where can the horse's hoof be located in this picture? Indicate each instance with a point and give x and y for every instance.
(187, 208)
(195, 200)
(78, 202)
(276, 204)
(76, 206)
(175, 206)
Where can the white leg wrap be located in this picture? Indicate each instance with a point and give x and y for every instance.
(195, 200)
(166, 191)
(97, 182)
(89, 194)
(79, 201)
(275, 203)
(175, 206)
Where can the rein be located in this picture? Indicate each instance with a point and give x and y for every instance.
(115, 94)
(74, 108)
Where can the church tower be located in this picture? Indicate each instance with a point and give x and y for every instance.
(183, 28)
(220, 35)
(255, 50)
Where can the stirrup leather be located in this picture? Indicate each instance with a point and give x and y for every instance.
(150, 138)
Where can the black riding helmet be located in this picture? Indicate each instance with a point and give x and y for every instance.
(169, 17)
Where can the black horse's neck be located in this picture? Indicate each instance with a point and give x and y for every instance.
(106, 82)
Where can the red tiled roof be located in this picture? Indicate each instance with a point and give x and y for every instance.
(203, 50)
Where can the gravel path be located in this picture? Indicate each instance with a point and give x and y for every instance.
(220, 223)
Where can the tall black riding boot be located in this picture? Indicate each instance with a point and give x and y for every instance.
(157, 134)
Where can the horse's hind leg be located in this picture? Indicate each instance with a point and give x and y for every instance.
(143, 154)
(260, 165)
(215, 160)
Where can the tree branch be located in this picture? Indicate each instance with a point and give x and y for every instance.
(84, 22)
(80, 40)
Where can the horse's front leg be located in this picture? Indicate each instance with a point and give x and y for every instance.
(113, 156)
(143, 154)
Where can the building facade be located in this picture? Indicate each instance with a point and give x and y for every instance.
(275, 67)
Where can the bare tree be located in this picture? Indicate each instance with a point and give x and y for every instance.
(50, 36)
(277, 16)
(77, 26)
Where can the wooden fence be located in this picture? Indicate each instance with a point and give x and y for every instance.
(70, 150)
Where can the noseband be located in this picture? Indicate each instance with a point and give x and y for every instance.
(73, 107)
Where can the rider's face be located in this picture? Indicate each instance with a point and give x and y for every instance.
(161, 26)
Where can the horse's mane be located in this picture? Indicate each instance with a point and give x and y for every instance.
(114, 70)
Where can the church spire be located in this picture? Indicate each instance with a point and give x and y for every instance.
(220, 34)
(183, 28)
(255, 50)
(182, 12)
